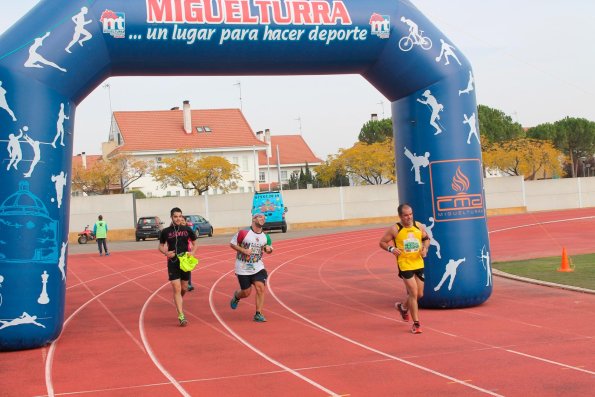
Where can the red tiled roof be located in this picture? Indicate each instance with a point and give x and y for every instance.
(164, 130)
(262, 187)
(91, 160)
(292, 149)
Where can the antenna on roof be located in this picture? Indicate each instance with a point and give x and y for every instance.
(109, 96)
(299, 120)
(381, 103)
(239, 84)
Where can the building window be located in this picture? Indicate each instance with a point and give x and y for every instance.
(149, 194)
(283, 175)
(242, 189)
(235, 160)
(178, 193)
(168, 194)
(245, 165)
(261, 177)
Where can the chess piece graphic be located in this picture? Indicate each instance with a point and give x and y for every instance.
(44, 299)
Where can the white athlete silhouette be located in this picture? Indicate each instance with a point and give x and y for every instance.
(79, 29)
(1, 281)
(470, 85)
(447, 51)
(436, 108)
(36, 59)
(14, 148)
(59, 183)
(417, 162)
(36, 155)
(431, 236)
(472, 123)
(413, 28)
(450, 271)
(24, 318)
(4, 102)
(62, 261)
(60, 126)
(485, 261)
(415, 37)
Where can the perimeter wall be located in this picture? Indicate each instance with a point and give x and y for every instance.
(323, 207)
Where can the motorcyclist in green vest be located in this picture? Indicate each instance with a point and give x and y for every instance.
(100, 231)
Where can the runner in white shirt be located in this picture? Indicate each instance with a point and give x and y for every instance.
(250, 246)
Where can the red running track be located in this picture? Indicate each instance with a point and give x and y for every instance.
(332, 329)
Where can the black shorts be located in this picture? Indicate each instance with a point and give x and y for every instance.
(246, 281)
(407, 274)
(174, 272)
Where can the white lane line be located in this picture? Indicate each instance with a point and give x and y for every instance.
(541, 223)
(141, 327)
(257, 351)
(551, 362)
(369, 348)
(50, 358)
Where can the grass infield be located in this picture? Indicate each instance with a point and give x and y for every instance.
(545, 269)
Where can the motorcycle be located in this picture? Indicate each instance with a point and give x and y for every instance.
(86, 235)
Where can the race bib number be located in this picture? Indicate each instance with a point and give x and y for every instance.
(411, 245)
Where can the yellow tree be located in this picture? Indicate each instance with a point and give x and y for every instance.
(331, 172)
(129, 169)
(526, 157)
(100, 178)
(197, 173)
(374, 164)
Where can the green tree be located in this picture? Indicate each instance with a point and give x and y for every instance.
(496, 126)
(574, 136)
(197, 173)
(376, 131)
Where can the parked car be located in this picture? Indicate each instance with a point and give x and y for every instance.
(200, 226)
(148, 227)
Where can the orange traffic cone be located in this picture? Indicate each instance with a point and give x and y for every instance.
(565, 266)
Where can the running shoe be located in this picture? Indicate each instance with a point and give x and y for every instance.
(416, 329)
(182, 320)
(404, 313)
(259, 318)
(234, 302)
(190, 288)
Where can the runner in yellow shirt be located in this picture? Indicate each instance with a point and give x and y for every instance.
(408, 241)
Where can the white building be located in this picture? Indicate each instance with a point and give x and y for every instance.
(154, 135)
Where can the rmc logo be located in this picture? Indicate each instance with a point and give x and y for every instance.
(457, 191)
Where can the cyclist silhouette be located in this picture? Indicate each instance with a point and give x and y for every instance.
(415, 37)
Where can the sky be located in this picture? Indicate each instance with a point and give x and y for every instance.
(532, 59)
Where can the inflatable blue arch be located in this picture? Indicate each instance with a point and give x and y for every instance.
(52, 58)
